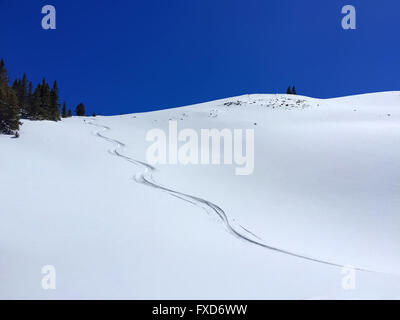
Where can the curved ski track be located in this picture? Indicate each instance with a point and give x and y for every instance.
(146, 178)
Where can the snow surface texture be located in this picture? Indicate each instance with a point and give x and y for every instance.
(325, 193)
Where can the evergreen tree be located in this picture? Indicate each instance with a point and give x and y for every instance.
(9, 111)
(20, 88)
(54, 105)
(64, 110)
(69, 114)
(24, 96)
(294, 90)
(80, 110)
(30, 89)
(45, 110)
(9, 105)
(16, 86)
(3, 73)
(289, 91)
(36, 104)
(94, 114)
(29, 100)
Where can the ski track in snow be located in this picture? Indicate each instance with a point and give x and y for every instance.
(146, 178)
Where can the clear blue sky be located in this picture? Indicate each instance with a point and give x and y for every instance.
(128, 56)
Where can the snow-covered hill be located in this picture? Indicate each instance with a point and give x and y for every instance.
(325, 193)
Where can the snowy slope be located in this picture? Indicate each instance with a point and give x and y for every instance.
(77, 195)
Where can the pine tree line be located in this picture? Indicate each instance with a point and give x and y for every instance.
(40, 104)
(291, 91)
(21, 101)
(64, 112)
